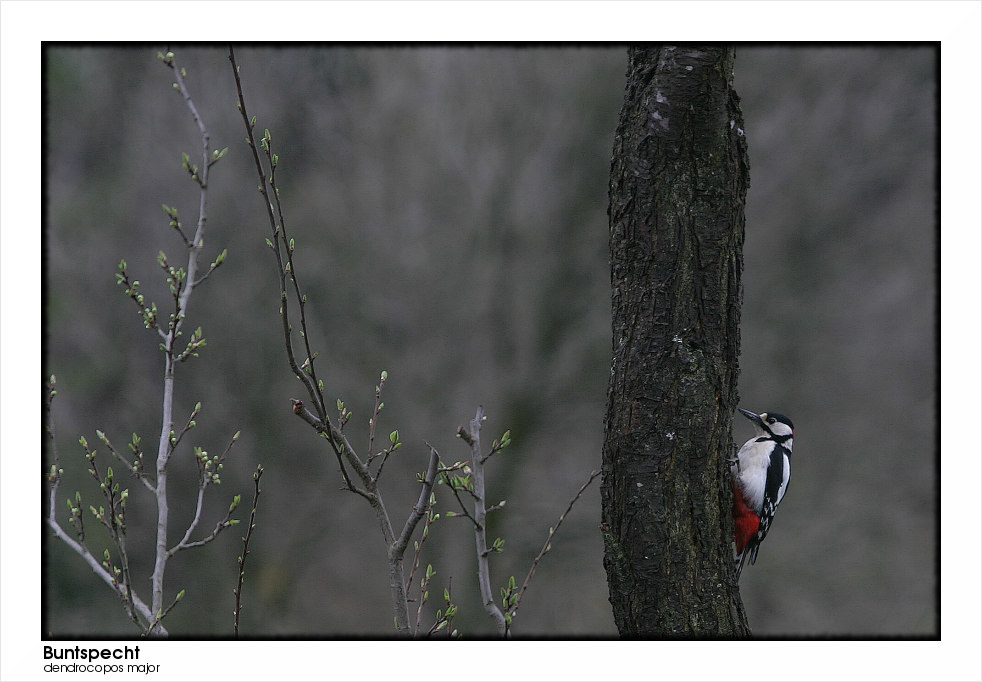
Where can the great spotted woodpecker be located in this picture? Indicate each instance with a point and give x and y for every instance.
(761, 472)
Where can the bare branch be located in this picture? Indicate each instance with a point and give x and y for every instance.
(133, 469)
(449, 481)
(163, 614)
(422, 504)
(274, 242)
(548, 544)
(341, 446)
(194, 522)
(182, 298)
(473, 438)
(245, 549)
(131, 601)
(219, 527)
(418, 545)
(54, 475)
(103, 575)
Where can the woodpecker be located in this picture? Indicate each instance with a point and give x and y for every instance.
(761, 472)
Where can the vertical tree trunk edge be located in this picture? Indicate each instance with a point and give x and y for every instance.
(678, 182)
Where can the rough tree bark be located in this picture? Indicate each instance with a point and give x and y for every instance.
(678, 181)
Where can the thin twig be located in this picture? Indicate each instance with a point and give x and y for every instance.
(163, 613)
(54, 475)
(291, 269)
(424, 594)
(205, 479)
(132, 469)
(548, 544)
(194, 522)
(274, 243)
(418, 546)
(245, 549)
(453, 489)
(446, 620)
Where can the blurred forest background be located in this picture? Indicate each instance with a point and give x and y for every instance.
(449, 206)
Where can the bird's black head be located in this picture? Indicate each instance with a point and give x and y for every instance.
(772, 424)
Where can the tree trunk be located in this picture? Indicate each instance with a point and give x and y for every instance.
(678, 182)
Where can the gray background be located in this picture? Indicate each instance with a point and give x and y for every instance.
(449, 208)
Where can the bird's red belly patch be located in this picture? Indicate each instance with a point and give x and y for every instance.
(745, 522)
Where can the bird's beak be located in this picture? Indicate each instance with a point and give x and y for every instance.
(755, 418)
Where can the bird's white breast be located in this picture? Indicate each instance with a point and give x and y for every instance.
(751, 472)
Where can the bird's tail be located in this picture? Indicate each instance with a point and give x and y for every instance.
(738, 561)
